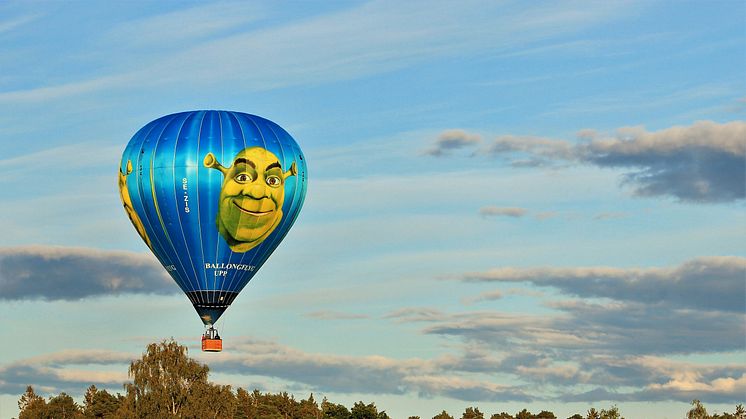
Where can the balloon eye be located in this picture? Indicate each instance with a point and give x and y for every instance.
(242, 178)
(273, 181)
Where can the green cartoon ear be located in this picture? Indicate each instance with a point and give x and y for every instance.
(291, 172)
(127, 170)
(212, 163)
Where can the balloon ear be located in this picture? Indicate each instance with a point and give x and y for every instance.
(212, 163)
(291, 172)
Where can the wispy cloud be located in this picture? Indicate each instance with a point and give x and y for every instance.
(76, 158)
(615, 339)
(66, 273)
(370, 38)
(612, 347)
(8, 25)
(701, 163)
(335, 315)
(662, 379)
(193, 24)
(500, 294)
(365, 374)
(64, 90)
(485, 296)
(451, 140)
(514, 212)
(609, 215)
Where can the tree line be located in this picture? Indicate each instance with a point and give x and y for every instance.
(167, 384)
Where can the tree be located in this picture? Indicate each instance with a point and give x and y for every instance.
(167, 383)
(698, 411)
(593, 414)
(524, 414)
(31, 405)
(545, 414)
(100, 403)
(63, 406)
(207, 400)
(472, 413)
(334, 411)
(309, 409)
(612, 413)
(245, 405)
(502, 415)
(576, 416)
(413, 417)
(740, 412)
(443, 415)
(163, 379)
(361, 410)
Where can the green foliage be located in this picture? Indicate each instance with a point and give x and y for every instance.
(63, 406)
(612, 413)
(592, 414)
(100, 404)
(164, 379)
(31, 405)
(334, 411)
(697, 411)
(309, 409)
(524, 414)
(443, 415)
(502, 415)
(472, 413)
(576, 416)
(739, 413)
(361, 410)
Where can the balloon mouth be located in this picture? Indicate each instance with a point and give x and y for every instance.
(254, 213)
(211, 304)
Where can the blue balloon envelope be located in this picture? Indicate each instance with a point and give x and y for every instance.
(212, 193)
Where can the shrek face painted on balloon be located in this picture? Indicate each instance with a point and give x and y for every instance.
(251, 198)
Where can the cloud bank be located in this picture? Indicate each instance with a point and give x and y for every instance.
(68, 273)
(701, 163)
(61, 371)
(706, 283)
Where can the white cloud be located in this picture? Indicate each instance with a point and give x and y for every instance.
(53, 373)
(711, 283)
(704, 162)
(68, 273)
(451, 140)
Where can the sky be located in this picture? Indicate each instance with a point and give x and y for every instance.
(510, 205)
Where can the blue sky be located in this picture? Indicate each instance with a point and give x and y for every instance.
(509, 205)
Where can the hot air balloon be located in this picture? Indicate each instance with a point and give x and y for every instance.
(212, 194)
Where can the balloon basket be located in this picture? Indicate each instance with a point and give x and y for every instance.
(211, 341)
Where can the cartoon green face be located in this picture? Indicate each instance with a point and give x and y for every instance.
(251, 198)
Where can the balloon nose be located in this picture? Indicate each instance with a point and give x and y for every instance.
(254, 190)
